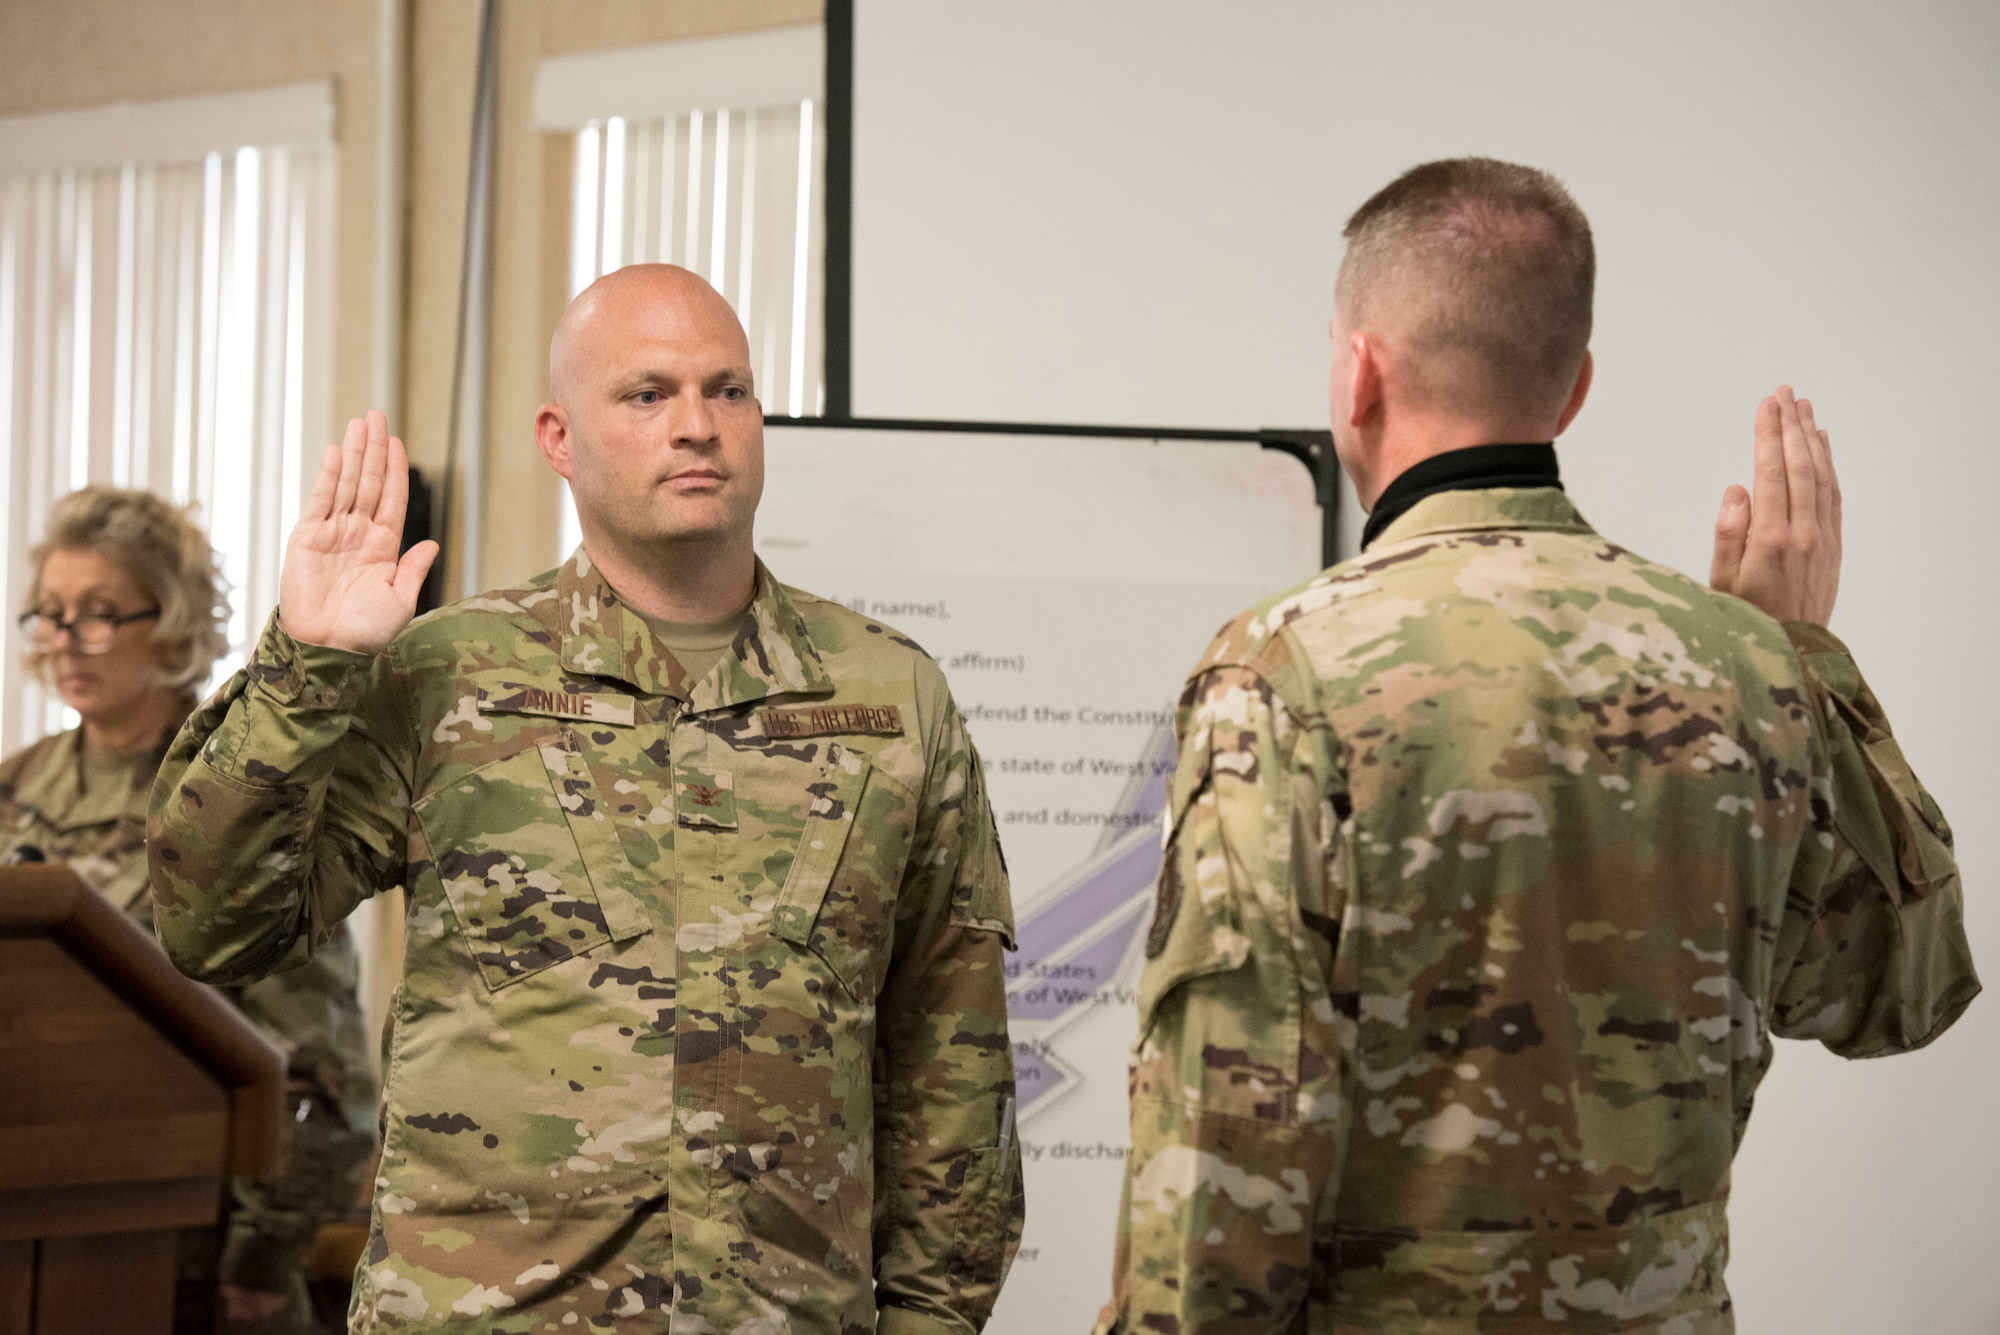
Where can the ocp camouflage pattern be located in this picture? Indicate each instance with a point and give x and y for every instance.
(312, 1013)
(1498, 856)
(698, 1025)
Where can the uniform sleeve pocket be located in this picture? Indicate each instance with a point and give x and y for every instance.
(1911, 847)
(512, 843)
(1923, 841)
(1218, 1030)
(1920, 840)
(1196, 930)
(1202, 940)
(833, 908)
(980, 895)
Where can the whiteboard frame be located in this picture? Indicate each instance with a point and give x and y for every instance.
(1313, 449)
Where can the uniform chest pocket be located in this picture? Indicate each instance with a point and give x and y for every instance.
(839, 899)
(530, 861)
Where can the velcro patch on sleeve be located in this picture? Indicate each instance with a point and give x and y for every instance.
(587, 707)
(833, 720)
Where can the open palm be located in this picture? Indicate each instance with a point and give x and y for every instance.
(343, 585)
(1780, 548)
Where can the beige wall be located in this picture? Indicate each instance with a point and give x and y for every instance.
(82, 53)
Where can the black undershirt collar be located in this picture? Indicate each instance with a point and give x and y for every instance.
(1475, 468)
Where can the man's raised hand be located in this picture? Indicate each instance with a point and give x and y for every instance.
(1780, 549)
(343, 586)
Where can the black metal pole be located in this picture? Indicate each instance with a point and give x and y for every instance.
(837, 341)
(1329, 502)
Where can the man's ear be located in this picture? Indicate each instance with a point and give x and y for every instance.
(1578, 393)
(1364, 389)
(552, 437)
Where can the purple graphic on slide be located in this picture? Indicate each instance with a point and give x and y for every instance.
(1077, 942)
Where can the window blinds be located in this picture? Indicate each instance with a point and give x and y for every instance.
(164, 325)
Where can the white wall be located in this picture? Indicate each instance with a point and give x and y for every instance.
(1128, 211)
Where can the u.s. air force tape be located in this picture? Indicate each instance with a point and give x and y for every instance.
(831, 720)
(593, 707)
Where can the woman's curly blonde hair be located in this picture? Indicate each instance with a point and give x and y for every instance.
(159, 545)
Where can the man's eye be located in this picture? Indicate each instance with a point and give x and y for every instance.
(735, 393)
(648, 397)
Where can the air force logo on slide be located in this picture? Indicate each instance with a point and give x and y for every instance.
(1079, 943)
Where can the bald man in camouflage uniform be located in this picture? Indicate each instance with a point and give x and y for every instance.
(702, 1023)
(1499, 854)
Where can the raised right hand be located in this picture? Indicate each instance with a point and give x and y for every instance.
(342, 585)
(1780, 549)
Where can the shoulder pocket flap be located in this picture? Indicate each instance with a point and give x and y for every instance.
(831, 803)
(604, 859)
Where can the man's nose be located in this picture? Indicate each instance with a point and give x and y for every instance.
(694, 418)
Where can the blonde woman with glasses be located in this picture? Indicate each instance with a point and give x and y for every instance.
(125, 612)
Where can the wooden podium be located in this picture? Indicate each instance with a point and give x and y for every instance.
(127, 1094)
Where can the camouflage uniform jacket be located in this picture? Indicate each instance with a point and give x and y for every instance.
(1498, 856)
(702, 1015)
(310, 1012)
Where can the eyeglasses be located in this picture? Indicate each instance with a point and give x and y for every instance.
(89, 632)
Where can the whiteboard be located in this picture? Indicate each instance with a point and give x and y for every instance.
(1065, 584)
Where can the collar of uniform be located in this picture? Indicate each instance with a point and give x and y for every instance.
(770, 655)
(600, 640)
(1491, 507)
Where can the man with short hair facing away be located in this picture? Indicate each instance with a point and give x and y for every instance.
(702, 1022)
(1499, 854)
